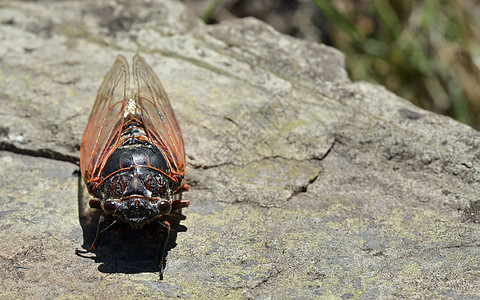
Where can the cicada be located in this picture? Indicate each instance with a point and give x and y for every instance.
(132, 156)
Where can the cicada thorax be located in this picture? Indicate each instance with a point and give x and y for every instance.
(135, 185)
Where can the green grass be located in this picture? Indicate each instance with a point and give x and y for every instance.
(422, 50)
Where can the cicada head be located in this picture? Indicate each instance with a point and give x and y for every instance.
(136, 196)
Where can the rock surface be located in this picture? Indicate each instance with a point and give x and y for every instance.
(303, 184)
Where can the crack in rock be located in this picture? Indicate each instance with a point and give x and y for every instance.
(272, 274)
(44, 153)
(304, 188)
(243, 164)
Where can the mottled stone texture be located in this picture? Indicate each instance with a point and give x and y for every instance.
(303, 184)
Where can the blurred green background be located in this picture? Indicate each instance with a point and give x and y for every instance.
(425, 51)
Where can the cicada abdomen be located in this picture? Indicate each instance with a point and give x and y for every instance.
(132, 155)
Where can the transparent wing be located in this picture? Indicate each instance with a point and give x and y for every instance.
(158, 118)
(105, 122)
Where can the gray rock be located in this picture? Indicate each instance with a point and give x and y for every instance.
(303, 183)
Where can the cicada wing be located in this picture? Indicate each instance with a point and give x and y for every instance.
(158, 116)
(106, 120)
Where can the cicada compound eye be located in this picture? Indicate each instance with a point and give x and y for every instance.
(109, 207)
(164, 207)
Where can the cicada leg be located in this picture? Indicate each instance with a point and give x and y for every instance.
(176, 204)
(103, 224)
(165, 235)
(183, 188)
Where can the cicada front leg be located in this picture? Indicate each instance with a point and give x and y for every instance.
(183, 188)
(103, 224)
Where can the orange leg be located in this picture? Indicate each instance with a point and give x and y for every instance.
(184, 188)
(180, 203)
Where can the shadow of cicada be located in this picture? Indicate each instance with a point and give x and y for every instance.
(122, 249)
